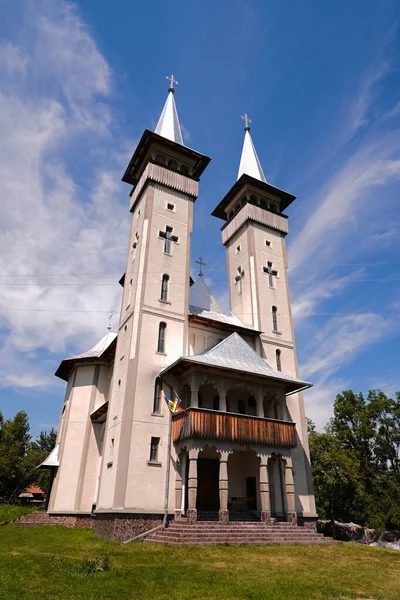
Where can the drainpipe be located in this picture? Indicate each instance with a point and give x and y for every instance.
(164, 521)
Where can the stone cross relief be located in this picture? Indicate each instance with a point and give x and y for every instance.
(271, 273)
(168, 239)
(239, 278)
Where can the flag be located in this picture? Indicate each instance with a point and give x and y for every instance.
(173, 405)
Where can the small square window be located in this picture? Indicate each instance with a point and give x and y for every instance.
(155, 442)
(268, 243)
(170, 206)
(237, 249)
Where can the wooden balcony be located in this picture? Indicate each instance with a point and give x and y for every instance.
(214, 425)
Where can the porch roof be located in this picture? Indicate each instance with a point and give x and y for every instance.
(235, 354)
(100, 350)
(52, 460)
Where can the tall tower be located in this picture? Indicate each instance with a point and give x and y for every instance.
(153, 327)
(254, 236)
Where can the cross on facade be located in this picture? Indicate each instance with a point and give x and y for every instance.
(201, 264)
(246, 120)
(168, 239)
(239, 278)
(171, 82)
(271, 273)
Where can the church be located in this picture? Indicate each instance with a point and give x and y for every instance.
(231, 444)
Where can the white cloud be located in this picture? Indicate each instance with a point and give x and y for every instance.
(56, 222)
(12, 59)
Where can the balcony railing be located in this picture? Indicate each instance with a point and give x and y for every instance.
(214, 425)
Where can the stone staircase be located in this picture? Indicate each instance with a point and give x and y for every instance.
(39, 518)
(210, 533)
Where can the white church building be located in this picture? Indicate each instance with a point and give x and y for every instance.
(238, 450)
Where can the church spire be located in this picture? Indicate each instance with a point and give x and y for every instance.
(168, 125)
(249, 163)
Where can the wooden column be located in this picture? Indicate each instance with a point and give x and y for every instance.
(194, 391)
(223, 487)
(264, 489)
(192, 486)
(222, 395)
(289, 488)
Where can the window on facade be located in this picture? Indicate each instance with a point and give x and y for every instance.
(157, 396)
(161, 337)
(274, 318)
(241, 407)
(164, 287)
(155, 442)
(170, 206)
(278, 360)
(268, 243)
(237, 249)
(168, 239)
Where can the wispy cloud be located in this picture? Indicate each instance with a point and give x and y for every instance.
(59, 225)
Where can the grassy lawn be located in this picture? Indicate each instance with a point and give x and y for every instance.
(10, 513)
(49, 563)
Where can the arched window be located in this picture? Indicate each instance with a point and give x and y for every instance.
(216, 403)
(173, 165)
(278, 360)
(241, 407)
(252, 406)
(160, 159)
(274, 318)
(164, 287)
(161, 337)
(157, 396)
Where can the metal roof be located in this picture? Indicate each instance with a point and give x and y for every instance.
(249, 162)
(97, 351)
(203, 304)
(52, 459)
(235, 354)
(168, 125)
(201, 297)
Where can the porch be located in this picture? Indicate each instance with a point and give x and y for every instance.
(237, 483)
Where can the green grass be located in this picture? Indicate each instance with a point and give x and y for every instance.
(57, 563)
(9, 513)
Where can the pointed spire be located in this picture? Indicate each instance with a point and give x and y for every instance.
(249, 162)
(168, 125)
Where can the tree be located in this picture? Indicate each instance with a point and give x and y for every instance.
(37, 451)
(14, 442)
(335, 472)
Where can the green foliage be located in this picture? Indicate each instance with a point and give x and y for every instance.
(20, 455)
(356, 461)
(9, 513)
(89, 566)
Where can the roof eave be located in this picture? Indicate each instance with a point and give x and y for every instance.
(285, 197)
(295, 386)
(137, 163)
(223, 324)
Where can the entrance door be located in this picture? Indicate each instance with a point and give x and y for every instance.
(207, 484)
(251, 493)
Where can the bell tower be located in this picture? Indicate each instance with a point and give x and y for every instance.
(153, 327)
(254, 235)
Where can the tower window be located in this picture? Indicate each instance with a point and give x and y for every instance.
(164, 287)
(238, 278)
(268, 243)
(161, 337)
(157, 396)
(154, 445)
(278, 360)
(274, 318)
(170, 206)
(237, 249)
(271, 273)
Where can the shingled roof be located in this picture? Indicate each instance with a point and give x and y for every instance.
(235, 354)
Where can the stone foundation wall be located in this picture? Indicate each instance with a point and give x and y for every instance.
(308, 523)
(83, 521)
(125, 526)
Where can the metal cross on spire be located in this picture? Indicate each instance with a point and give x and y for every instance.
(109, 320)
(171, 83)
(202, 264)
(247, 120)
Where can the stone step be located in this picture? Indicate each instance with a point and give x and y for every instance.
(35, 519)
(234, 535)
(242, 543)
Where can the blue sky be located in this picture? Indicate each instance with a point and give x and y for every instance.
(79, 83)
